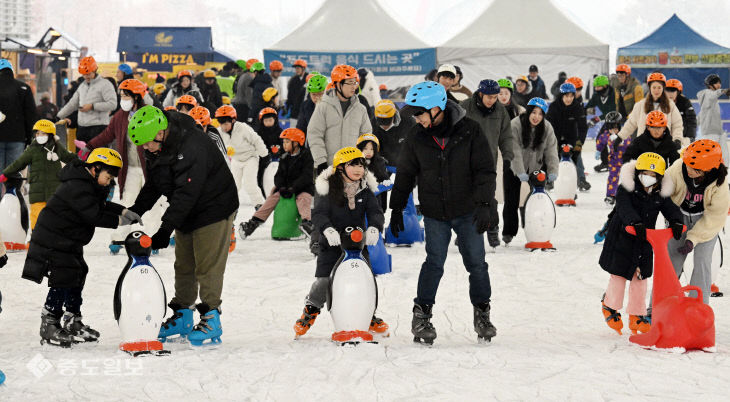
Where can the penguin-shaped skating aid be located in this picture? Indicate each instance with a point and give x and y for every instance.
(139, 299)
(353, 292)
(14, 215)
(269, 173)
(567, 183)
(539, 220)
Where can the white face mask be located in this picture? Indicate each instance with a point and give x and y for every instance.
(41, 139)
(647, 180)
(126, 104)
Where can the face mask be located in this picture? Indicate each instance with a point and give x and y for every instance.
(647, 180)
(42, 139)
(126, 104)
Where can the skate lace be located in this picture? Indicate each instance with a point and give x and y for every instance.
(484, 321)
(641, 319)
(170, 322)
(613, 314)
(203, 324)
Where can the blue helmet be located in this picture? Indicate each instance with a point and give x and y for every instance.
(488, 87)
(126, 68)
(5, 63)
(427, 94)
(540, 102)
(567, 88)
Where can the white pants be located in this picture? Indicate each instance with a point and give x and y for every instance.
(722, 139)
(247, 171)
(132, 186)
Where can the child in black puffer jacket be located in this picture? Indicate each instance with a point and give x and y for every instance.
(370, 147)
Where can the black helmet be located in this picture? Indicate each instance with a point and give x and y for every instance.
(613, 117)
(712, 79)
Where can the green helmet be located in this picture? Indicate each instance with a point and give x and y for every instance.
(505, 83)
(258, 66)
(317, 84)
(145, 124)
(241, 63)
(600, 81)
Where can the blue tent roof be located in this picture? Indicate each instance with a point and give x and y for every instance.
(165, 39)
(675, 38)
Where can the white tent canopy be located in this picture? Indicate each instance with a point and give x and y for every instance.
(352, 26)
(510, 35)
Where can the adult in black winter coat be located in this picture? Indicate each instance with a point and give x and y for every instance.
(18, 106)
(305, 113)
(392, 133)
(568, 120)
(296, 91)
(622, 252)
(211, 93)
(258, 85)
(661, 144)
(689, 117)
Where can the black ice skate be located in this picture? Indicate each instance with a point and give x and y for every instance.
(81, 332)
(306, 227)
(421, 327)
(52, 333)
(484, 328)
(246, 228)
(493, 237)
(583, 185)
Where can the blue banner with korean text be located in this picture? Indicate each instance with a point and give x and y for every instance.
(392, 62)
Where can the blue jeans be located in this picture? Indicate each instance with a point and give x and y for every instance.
(471, 247)
(9, 152)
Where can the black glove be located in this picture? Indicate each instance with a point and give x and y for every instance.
(3, 260)
(640, 230)
(616, 143)
(687, 248)
(321, 167)
(286, 192)
(161, 239)
(483, 219)
(677, 228)
(396, 222)
(678, 144)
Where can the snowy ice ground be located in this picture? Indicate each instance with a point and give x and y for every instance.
(552, 342)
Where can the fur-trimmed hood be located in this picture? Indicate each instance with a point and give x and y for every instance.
(322, 183)
(627, 180)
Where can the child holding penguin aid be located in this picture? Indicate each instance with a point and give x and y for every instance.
(64, 227)
(643, 192)
(344, 199)
(44, 156)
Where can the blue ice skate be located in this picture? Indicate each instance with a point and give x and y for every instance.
(180, 323)
(209, 327)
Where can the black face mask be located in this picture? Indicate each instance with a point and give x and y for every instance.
(150, 156)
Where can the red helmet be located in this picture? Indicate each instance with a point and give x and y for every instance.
(703, 155)
(623, 68)
(134, 86)
(87, 65)
(656, 77)
(675, 83)
(226, 111)
(188, 100)
(184, 73)
(201, 115)
(342, 72)
(293, 134)
(276, 65)
(265, 111)
(656, 119)
(301, 63)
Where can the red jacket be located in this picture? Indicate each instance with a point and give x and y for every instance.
(117, 131)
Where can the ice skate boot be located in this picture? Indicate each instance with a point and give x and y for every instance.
(610, 201)
(52, 332)
(80, 331)
(493, 237)
(379, 327)
(246, 228)
(209, 326)
(639, 323)
(507, 239)
(601, 168)
(583, 185)
(613, 318)
(715, 291)
(307, 319)
(115, 247)
(306, 227)
(180, 323)
(484, 328)
(421, 327)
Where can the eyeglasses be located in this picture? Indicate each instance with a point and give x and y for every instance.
(353, 83)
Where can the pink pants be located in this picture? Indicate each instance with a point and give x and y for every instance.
(304, 206)
(637, 294)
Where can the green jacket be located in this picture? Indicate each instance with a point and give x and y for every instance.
(495, 126)
(43, 175)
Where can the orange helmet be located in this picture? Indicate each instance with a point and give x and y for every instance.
(250, 62)
(329, 86)
(276, 66)
(188, 100)
(134, 86)
(226, 111)
(170, 108)
(299, 62)
(293, 134)
(383, 87)
(656, 77)
(576, 81)
(675, 83)
(342, 72)
(703, 155)
(184, 73)
(656, 119)
(623, 68)
(201, 115)
(265, 111)
(87, 65)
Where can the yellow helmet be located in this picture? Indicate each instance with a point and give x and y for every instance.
(107, 156)
(385, 109)
(368, 137)
(215, 123)
(345, 155)
(651, 161)
(269, 94)
(46, 126)
(226, 100)
(158, 88)
(209, 74)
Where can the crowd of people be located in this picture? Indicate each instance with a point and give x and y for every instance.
(181, 151)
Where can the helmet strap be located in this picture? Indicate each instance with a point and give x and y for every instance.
(338, 85)
(433, 118)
